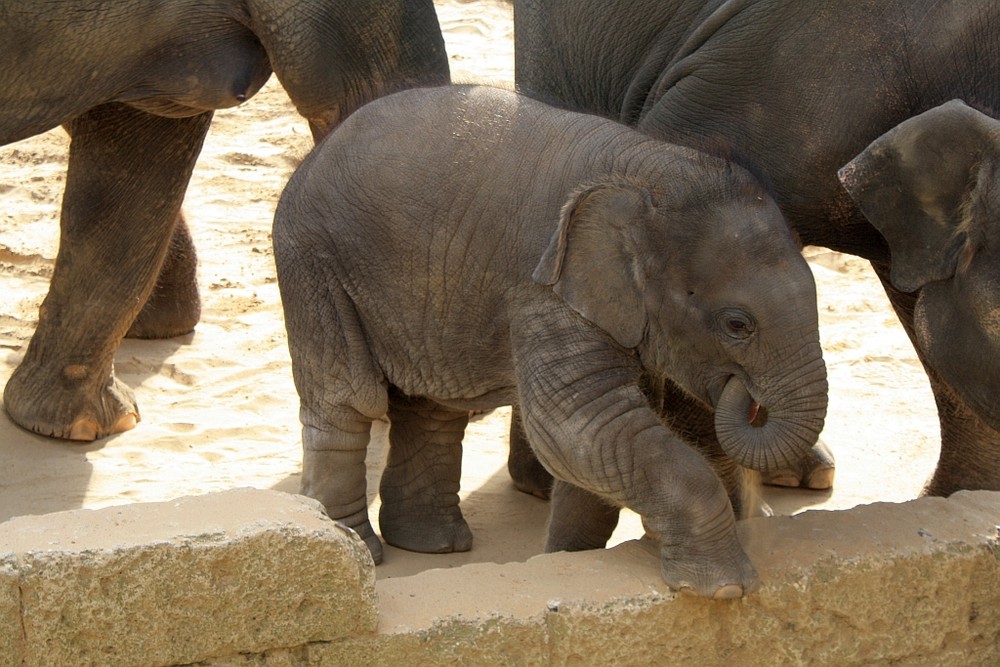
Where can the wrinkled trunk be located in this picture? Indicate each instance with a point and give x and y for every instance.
(776, 429)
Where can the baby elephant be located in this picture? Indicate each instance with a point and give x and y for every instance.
(461, 248)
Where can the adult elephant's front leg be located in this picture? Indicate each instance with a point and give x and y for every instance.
(970, 448)
(127, 174)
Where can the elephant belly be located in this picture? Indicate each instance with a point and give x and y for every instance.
(462, 379)
(487, 401)
(458, 365)
(196, 77)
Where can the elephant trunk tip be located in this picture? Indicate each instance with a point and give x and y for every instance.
(758, 415)
(765, 436)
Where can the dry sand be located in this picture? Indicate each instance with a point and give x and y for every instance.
(218, 406)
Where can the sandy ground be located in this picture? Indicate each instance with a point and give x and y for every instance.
(218, 406)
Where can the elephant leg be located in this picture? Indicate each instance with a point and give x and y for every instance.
(126, 178)
(695, 425)
(333, 469)
(173, 307)
(527, 473)
(579, 520)
(970, 449)
(420, 483)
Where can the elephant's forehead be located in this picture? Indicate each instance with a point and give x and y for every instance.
(754, 232)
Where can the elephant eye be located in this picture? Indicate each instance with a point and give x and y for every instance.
(736, 324)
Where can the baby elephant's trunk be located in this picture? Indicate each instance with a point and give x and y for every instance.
(771, 433)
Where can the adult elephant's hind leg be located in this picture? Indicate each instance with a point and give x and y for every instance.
(173, 307)
(127, 174)
(420, 484)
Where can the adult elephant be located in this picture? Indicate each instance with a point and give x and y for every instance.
(135, 84)
(801, 87)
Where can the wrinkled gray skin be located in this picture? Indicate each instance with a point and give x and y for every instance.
(135, 84)
(801, 87)
(931, 186)
(462, 248)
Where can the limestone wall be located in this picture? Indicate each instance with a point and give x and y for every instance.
(251, 577)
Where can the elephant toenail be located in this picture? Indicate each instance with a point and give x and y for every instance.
(728, 592)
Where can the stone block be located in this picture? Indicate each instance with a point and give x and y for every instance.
(11, 634)
(177, 582)
(915, 583)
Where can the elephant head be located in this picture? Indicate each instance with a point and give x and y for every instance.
(931, 186)
(712, 293)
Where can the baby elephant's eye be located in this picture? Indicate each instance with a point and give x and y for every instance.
(736, 324)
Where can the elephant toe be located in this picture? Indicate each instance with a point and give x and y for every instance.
(84, 430)
(718, 592)
(815, 471)
(710, 578)
(728, 592)
(786, 478)
(821, 479)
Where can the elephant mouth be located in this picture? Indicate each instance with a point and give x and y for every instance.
(757, 415)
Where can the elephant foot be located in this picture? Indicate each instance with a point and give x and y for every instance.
(371, 540)
(708, 575)
(87, 430)
(423, 532)
(43, 407)
(815, 471)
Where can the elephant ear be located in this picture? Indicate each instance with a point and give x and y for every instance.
(922, 185)
(592, 260)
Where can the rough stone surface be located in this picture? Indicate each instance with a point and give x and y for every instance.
(11, 636)
(911, 584)
(273, 585)
(242, 571)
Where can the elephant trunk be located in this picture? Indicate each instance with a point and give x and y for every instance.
(770, 436)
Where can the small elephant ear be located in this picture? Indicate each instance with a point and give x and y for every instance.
(592, 260)
(920, 185)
